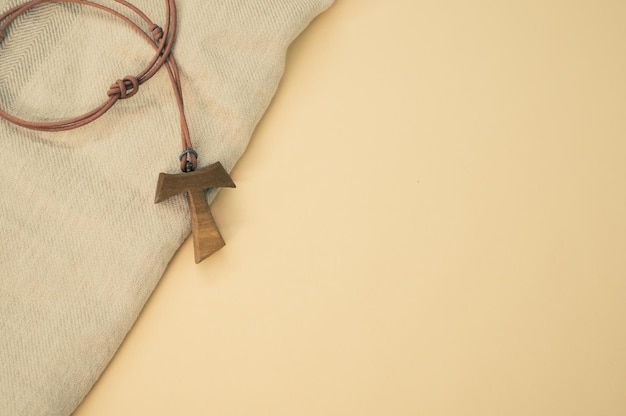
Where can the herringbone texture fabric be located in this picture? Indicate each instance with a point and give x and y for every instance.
(82, 243)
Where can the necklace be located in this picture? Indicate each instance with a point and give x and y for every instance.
(206, 236)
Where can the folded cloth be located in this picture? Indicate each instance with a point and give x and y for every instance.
(83, 245)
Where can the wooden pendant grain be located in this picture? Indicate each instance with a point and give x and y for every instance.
(206, 236)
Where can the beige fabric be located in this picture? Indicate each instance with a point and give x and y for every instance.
(82, 243)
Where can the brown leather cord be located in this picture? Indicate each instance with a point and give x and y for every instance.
(161, 39)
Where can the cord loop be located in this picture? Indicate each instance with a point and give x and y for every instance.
(129, 85)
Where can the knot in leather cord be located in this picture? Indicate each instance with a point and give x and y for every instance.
(125, 88)
(157, 32)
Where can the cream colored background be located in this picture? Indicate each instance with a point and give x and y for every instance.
(430, 220)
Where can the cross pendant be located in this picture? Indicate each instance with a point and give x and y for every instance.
(206, 237)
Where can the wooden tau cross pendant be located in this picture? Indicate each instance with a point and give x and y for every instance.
(206, 237)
